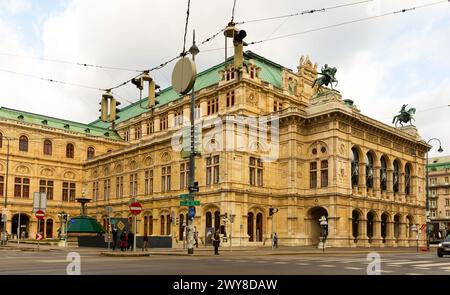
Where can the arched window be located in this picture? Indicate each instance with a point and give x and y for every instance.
(23, 143)
(168, 224)
(1, 139)
(395, 175)
(355, 167)
(47, 147)
(90, 153)
(383, 174)
(408, 179)
(163, 225)
(369, 170)
(70, 151)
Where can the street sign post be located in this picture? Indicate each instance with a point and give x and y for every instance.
(191, 212)
(193, 189)
(187, 196)
(39, 215)
(135, 209)
(189, 203)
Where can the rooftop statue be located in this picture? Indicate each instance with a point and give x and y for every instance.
(405, 116)
(328, 77)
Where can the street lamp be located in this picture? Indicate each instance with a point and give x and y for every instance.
(427, 203)
(324, 226)
(414, 229)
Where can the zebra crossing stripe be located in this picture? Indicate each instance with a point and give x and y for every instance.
(409, 262)
(435, 264)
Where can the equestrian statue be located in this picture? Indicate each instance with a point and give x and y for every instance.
(328, 77)
(405, 116)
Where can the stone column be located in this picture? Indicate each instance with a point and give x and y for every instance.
(362, 232)
(377, 240)
(390, 239)
(402, 239)
(376, 182)
(389, 184)
(362, 188)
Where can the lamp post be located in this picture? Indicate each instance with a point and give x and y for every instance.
(324, 225)
(414, 229)
(427, 202)
(5, 218)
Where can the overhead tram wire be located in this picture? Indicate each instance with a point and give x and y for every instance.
(350, 22)
(310, 11)
(81, 64)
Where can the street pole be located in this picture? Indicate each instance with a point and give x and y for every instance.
(135, 232)
(109, 231)
(4, 237)
(189, 225)
(273, 240)
(427, 188)
(39, 232)
(18, 232)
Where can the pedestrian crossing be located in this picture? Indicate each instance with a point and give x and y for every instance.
(407, 266)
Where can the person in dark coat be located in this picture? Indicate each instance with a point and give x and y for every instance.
(130, 240)
(114, 237)
(145, 242)
(124, 240)
(216, 242)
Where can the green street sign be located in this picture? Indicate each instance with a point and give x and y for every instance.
(190, 203)
(187, 196)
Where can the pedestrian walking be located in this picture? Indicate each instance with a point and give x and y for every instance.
(275, 240)
(124, 241)
(196, 236)
(114, 237)
(216, 242)
(130, 240)
(145, 243)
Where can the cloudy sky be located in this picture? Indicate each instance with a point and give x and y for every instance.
(382, 63)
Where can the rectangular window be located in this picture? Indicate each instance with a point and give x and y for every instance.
(166, 179)
(106, 188)
(148, 182)
(119, 187)
(324, 173)
(2, 186)
(184, 175)
(137, 131)
(212, 170)
(446, 180)
(133, 185)
(213, 105)
(68, 191)
(313, 175)
(255, 172)
(150, 126)
(230, 99)
(163, 122)
(447, 202)
(277, 105)
(22, 188)
(178, 118)
(126, 135)
(447, 213)
(197, 112)
(46, 186)
(95, 190)
(433, 213)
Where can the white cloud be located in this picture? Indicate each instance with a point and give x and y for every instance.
(15, 6)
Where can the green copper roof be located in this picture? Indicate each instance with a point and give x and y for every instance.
(270, 73)
(439, 163)
(84, 224)
(90, 130)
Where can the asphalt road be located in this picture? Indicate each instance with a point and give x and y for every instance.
(91, 263)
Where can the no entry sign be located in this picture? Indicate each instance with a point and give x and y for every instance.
(40, 214)
(135, 208)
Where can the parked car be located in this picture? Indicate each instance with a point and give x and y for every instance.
(444, 247)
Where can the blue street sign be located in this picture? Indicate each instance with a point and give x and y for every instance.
(191, 212)
(72, 221)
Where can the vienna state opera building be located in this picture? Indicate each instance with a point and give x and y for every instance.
(268, 139)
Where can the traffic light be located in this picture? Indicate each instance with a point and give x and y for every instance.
(177, 221)
(108, 100)
(272, 211)
(152, 87)
(238, 41)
